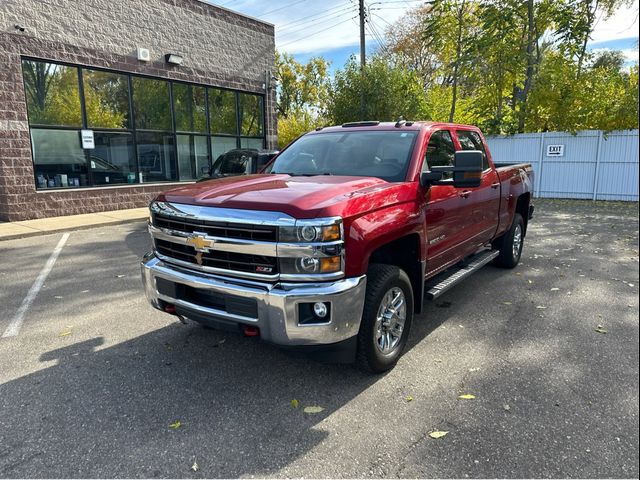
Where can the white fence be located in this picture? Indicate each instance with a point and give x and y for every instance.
(591, 164)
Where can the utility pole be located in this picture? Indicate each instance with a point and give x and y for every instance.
(362, 38)
(363, 58)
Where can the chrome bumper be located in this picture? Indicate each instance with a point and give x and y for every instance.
(277, 304)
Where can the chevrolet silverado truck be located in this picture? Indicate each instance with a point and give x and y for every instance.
(335, 247)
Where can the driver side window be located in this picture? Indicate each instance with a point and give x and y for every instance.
(440, 152)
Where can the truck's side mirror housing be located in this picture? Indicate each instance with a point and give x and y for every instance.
(468, 169)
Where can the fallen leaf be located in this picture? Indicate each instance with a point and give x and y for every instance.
(466, 396)
(555, 289)
(295, 403)
(506, 407)
(507, 303)
(195, 467)
(541, 307)
(175, 425)
(119, 276)
(313, 410)
(409, 398)
(601, 329)
(475, 369)
(65, 333)
(437, 434)
(530, 281)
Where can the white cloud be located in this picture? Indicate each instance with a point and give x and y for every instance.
(622, 24)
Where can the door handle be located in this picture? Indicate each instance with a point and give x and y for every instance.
(464, 194)
(495, 185)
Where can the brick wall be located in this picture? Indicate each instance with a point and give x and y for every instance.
(220, 48)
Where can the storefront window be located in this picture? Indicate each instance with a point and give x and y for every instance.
(53, 95)
(139, 134)
(151, 106)
(220, 145)
(190, 108)
(106, 99)
(222, 111)
(251, 121)
(58, 159)
(256, 143)
(193, 156)
(156, 156)
(113, 161)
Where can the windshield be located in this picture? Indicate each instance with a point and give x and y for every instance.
(382, 154)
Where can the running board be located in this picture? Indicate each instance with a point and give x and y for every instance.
(456, 276)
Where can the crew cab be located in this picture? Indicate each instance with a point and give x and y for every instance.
(336, 246)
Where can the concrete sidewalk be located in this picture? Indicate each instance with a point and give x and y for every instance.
(44, 226)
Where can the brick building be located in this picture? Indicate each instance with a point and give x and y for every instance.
(103, 104)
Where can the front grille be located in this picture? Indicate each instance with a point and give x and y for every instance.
(218, 259)
(218, 229)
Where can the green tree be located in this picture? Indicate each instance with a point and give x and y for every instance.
(301, 86)
(389, 92)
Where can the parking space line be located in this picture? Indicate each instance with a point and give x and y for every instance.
(16, 322)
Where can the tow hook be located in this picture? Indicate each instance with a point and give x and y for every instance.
(171, 309)
(250, 331)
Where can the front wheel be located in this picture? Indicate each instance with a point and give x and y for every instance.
(386, 320)
(510, 244)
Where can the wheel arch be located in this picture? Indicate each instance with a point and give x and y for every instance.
(405, 253)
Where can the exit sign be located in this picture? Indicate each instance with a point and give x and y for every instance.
(555, 150)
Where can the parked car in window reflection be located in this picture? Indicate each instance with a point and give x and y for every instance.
(241, 161)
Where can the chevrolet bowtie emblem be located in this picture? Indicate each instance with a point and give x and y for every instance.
(200, 243)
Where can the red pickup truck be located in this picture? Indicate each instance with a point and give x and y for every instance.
(335, 246)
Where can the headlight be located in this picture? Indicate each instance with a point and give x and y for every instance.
(313, 231)
(310, 265)
(312, 247)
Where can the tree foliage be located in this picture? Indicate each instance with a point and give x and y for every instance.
(507, 66)
(379, 92)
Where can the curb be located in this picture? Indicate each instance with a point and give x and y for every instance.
(38, 233)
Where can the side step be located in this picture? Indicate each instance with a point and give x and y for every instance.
(456, 276)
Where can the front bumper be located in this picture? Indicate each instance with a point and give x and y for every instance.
(277, 310)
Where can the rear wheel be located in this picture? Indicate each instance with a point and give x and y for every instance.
(510, 244)
(386, 320)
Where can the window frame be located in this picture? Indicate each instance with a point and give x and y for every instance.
(133, 129)
(485, 158)
(426, 149)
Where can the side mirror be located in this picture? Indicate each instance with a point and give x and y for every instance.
(468, 169)
(430, 178)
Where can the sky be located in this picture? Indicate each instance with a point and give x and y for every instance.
(329, 28)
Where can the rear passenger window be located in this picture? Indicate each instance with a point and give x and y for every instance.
(472, 141)
(440, 152)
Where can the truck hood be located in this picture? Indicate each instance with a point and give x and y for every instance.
(299, 196)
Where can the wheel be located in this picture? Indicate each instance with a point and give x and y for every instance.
(510, 244)
(386, 320)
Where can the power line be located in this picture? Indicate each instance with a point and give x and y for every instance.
(315, 33)
(316, 21)
(282, 7)
(319, 14)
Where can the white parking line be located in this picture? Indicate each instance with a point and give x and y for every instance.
(16, 322)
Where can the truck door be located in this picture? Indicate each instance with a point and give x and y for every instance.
(481, 204)
(443, 214)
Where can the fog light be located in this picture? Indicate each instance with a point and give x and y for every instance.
(320, 309)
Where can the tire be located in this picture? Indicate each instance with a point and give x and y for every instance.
(510, 244)
(380, 342)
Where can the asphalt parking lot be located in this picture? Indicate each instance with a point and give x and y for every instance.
(93, 379)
